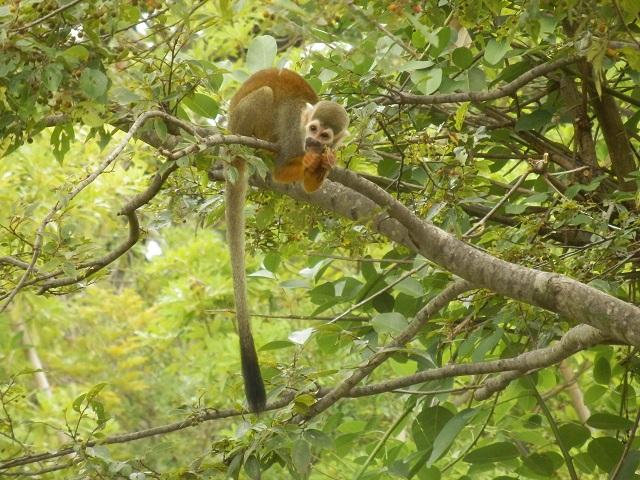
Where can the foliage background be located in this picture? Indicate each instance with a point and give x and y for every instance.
(148, 340)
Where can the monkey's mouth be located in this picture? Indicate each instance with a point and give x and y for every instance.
(313, 144)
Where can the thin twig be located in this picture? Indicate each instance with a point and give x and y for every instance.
(47, 16)
(378, 292)
(484, 219)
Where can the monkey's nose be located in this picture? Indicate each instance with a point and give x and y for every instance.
(311, 142)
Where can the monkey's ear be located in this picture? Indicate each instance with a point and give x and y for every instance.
(340, 137)
(307, 114)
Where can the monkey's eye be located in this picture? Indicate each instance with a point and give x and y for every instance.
(324, 135)
(313, 128)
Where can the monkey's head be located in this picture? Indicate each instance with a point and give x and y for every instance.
(325, 125)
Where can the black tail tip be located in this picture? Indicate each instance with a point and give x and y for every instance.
(256, 395)
(257, 405)
(253, 383)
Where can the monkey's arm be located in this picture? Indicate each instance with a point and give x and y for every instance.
(312, 168)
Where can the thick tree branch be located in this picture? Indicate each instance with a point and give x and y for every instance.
(557, 293)
(615, 137)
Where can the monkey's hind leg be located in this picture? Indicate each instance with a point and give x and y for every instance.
(289, 172)
(253, 115)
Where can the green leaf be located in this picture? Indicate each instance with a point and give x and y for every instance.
(347, 288)
(439, 40)
(77, 402)
(318, 438)
(383, 303)
(202, 104)
(418, 40)
(415, 65)
(495, 51)
(427, 81)
(448, 434)
(352, 426)
(160, 128)
(584, 462)
(515, 208)
(53, 76)
(573, 434)
(606, 452)
(486, 344)
(61, 137)
(609, 421)
(631, 8)
(271, 261)
(93, 83)
(252, 467)
(533, 121)
(462, 57)
(545, 463)
(460, 115)
(602, 371)
(410, 286)
(261, 53)
(392, 322)
(264, 218)
(75, 55)
(276, 345)
(496, 452)
(234, 466)
(124, 96)
(629, 465)
(428, 424)
(477, 80)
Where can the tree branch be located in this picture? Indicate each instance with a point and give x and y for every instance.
(503, 91)
(554, 292)
(420, 320)
(576, 339)
(37, 244)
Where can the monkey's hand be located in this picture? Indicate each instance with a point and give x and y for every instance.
(317, 165)
(314, 159)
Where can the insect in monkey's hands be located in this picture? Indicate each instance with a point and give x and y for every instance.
(276, 105)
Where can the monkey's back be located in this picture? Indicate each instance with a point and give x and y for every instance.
(284, 83)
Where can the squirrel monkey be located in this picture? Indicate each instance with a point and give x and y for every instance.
(279, 106)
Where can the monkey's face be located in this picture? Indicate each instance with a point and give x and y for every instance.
(318, 136)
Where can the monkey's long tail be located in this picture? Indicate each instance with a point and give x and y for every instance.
(235, 194)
